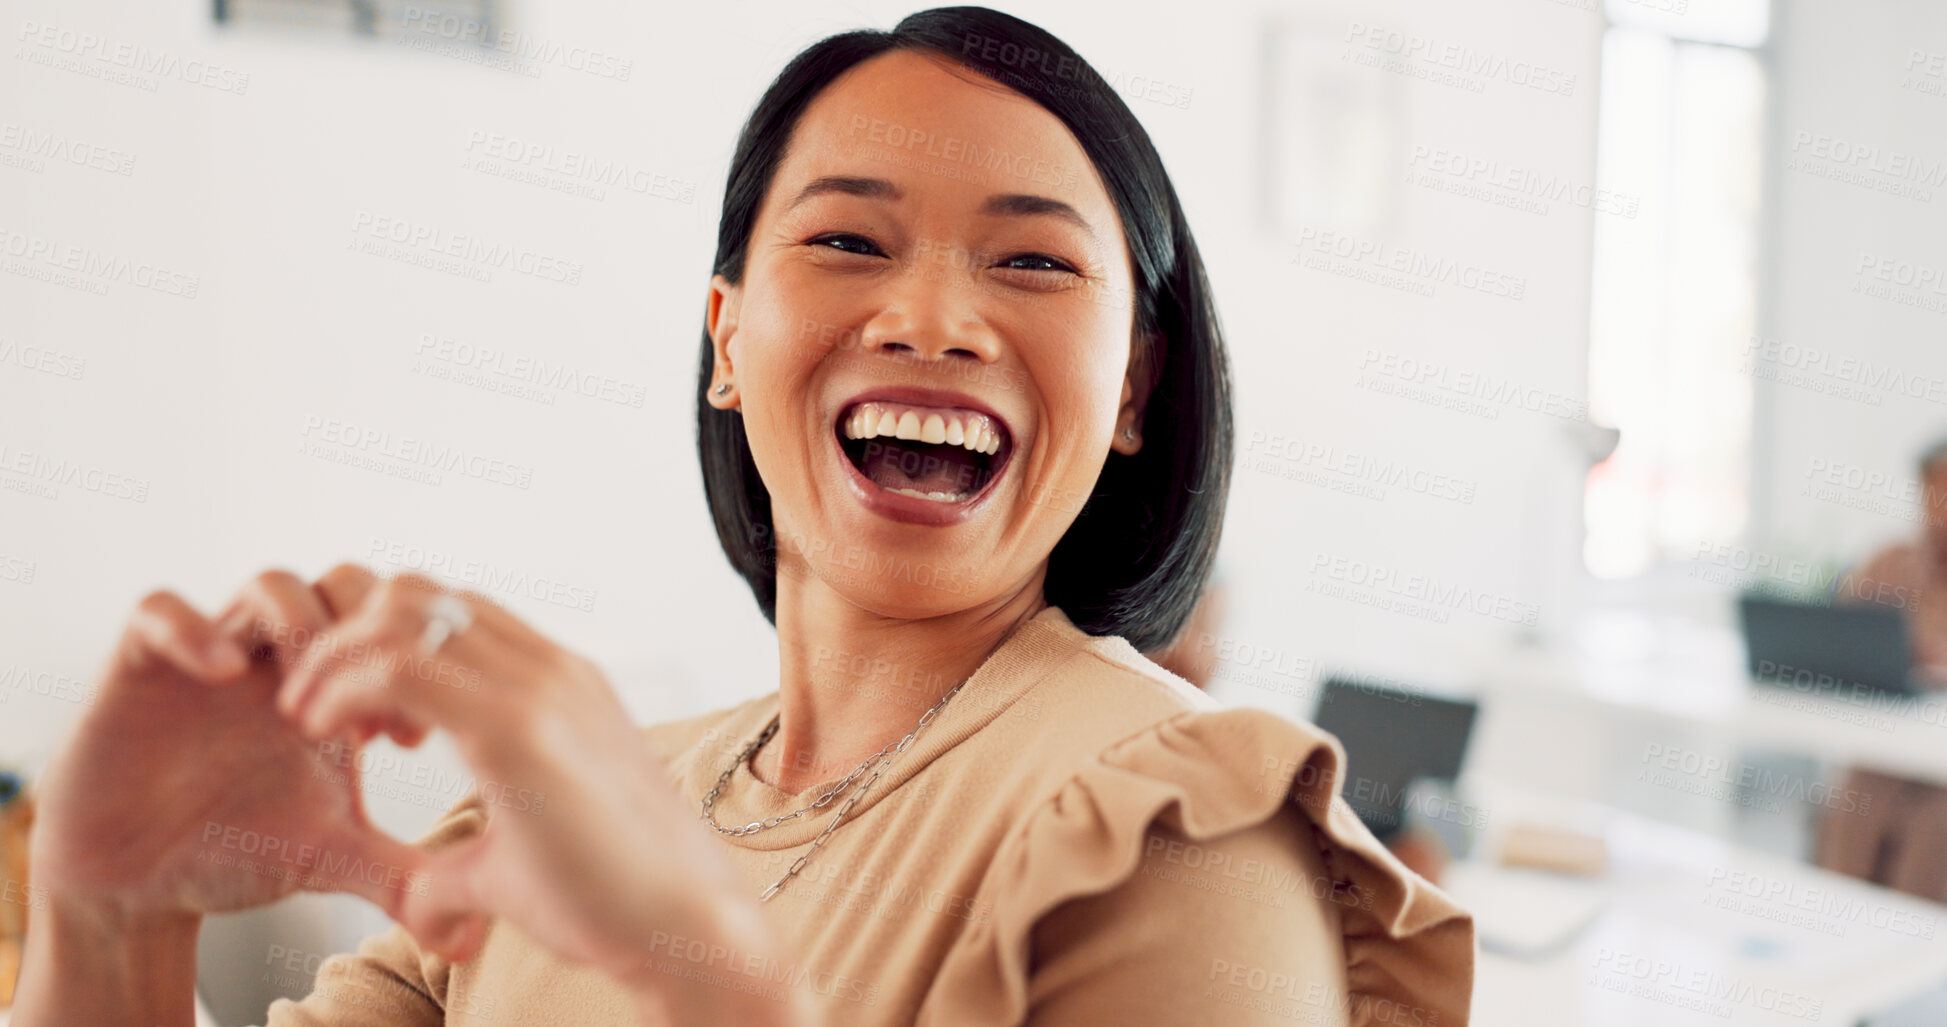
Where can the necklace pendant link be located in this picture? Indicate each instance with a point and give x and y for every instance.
(877, 763)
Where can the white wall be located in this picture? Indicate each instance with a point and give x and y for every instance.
(206, 400)
(1850, 74)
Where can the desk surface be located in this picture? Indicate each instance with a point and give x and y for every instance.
(1694, 930)
(1695, 674)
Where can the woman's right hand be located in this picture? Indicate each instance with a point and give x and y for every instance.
(183, 791)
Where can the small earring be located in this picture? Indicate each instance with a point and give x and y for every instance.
(1129, 433)
(724, 389)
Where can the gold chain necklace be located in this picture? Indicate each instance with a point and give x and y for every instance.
(881, 759)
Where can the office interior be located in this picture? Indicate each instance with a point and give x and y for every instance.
(1561, 330)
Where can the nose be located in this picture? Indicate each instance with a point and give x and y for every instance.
(927, 320)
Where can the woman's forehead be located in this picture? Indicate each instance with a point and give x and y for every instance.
(925, 122)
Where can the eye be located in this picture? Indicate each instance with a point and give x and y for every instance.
(846, 242)
(1035, 262)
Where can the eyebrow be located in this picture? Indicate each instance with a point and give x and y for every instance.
(1025, 205)
(998, 205)
(870, 188)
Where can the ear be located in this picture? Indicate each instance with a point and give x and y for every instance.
(1144, 355)
(720, 319)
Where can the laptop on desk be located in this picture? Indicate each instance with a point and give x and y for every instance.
(1827, 649)
(1392, 738)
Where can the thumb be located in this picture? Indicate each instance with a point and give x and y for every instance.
(443, 909)
(431, 894)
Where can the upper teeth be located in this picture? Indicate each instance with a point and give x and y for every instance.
(964, 428)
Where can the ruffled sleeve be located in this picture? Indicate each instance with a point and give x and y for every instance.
(1206, 779)
(390, 981)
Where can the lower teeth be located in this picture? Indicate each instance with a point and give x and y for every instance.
(937, 497)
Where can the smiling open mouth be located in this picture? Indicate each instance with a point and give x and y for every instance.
(946, 455)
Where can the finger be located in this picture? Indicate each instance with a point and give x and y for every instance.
(405, 733)
(349, 648)
(348, 586)
(358, 706)
(166, 629)
(361, 680)
(279, 613)
(443, 911)
(343, 588)
(347, 592)
(373, 866)
(351, 656)
(394, 688)
(374, 675)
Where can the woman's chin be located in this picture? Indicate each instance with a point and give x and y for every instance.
(907, 587)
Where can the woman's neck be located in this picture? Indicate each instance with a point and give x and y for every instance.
(852, 681)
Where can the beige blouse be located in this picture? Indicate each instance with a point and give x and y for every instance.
(1079, 838)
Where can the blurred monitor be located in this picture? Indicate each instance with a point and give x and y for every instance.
(1392, 737)
(1829, 649)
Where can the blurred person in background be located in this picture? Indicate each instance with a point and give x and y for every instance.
(965, 428)
(1900, 841)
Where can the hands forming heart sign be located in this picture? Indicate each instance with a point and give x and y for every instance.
(192, 786)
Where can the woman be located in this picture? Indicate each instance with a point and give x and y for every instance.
(1899, 838)
(955, 296)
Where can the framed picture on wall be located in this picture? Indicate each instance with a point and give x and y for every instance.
(1331, 133)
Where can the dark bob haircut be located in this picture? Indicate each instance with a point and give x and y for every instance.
(1136, 558)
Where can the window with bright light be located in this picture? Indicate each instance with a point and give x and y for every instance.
(1674, 301)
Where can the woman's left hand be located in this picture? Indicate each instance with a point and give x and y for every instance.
(590, 850)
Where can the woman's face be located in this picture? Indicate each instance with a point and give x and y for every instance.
(931, 346)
